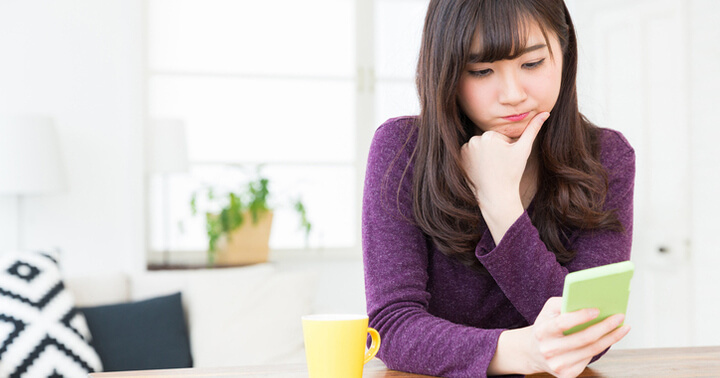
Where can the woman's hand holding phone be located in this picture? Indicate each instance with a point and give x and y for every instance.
(567, 356)
(545, 347)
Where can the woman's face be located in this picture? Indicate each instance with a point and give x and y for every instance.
(505, 95)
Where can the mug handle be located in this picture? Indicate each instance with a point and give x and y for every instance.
(374, 345)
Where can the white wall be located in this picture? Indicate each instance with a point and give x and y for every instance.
(647, 68)
(81, 62)
(705, 172)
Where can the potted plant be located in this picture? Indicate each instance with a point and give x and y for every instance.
(239, 232)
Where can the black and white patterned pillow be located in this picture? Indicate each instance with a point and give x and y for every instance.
(41, 332)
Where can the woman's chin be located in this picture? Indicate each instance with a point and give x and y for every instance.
(514, 131)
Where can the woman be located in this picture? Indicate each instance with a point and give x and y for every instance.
(475, 210)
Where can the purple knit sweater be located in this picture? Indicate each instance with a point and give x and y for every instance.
(434, 315)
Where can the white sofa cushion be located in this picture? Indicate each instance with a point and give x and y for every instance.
(237, 316)
(234, 324)
(156, 283)
(99, 290)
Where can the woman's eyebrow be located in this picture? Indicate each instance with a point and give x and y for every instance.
(477, 58)
(532, 48)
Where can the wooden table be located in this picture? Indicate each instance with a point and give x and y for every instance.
(666, 362)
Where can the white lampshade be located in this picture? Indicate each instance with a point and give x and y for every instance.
(167, 147)
(30, 160)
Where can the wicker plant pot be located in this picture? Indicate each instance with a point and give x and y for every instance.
(249, 244)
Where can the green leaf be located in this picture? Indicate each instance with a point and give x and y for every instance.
(193, 204)
(304, 222)
(252, 197)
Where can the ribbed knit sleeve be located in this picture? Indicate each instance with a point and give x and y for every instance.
(395, 256)
(528, 273)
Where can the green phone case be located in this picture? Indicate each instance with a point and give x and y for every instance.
(606, 288)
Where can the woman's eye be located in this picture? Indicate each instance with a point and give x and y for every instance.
(534, 64)
(481, 73)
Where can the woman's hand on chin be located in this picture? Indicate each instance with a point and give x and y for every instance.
(494, 164)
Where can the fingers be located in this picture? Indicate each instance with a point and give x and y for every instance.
(592, 340)
(546, 322)
(559, 323)
(551, 308)
(531, 131)
(571, 319)
(593, 333)
(595, 348)
(491, 135)
(553, 304)
(574, 352)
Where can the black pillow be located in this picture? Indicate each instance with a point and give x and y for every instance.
(149, 334)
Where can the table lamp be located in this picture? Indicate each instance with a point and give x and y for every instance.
(167, 154)
(30, 162)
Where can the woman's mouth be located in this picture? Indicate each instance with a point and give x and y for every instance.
(516, 117)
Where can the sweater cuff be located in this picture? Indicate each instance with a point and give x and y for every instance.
(494, 337)
(486, 246)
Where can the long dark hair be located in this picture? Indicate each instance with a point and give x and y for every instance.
(572, 183)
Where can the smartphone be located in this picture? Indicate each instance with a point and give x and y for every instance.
(605, 287)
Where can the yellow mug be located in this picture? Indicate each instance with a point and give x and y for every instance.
(335, 345)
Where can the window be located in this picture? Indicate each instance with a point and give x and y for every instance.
(282, 84)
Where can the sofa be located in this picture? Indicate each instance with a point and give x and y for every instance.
(232, 316)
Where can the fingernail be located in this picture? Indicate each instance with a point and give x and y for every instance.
(620, 319)
(594, 312)
(546, 116)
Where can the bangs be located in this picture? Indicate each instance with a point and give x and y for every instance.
(502, 31)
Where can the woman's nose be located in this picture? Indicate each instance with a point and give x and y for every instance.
(512, 91)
